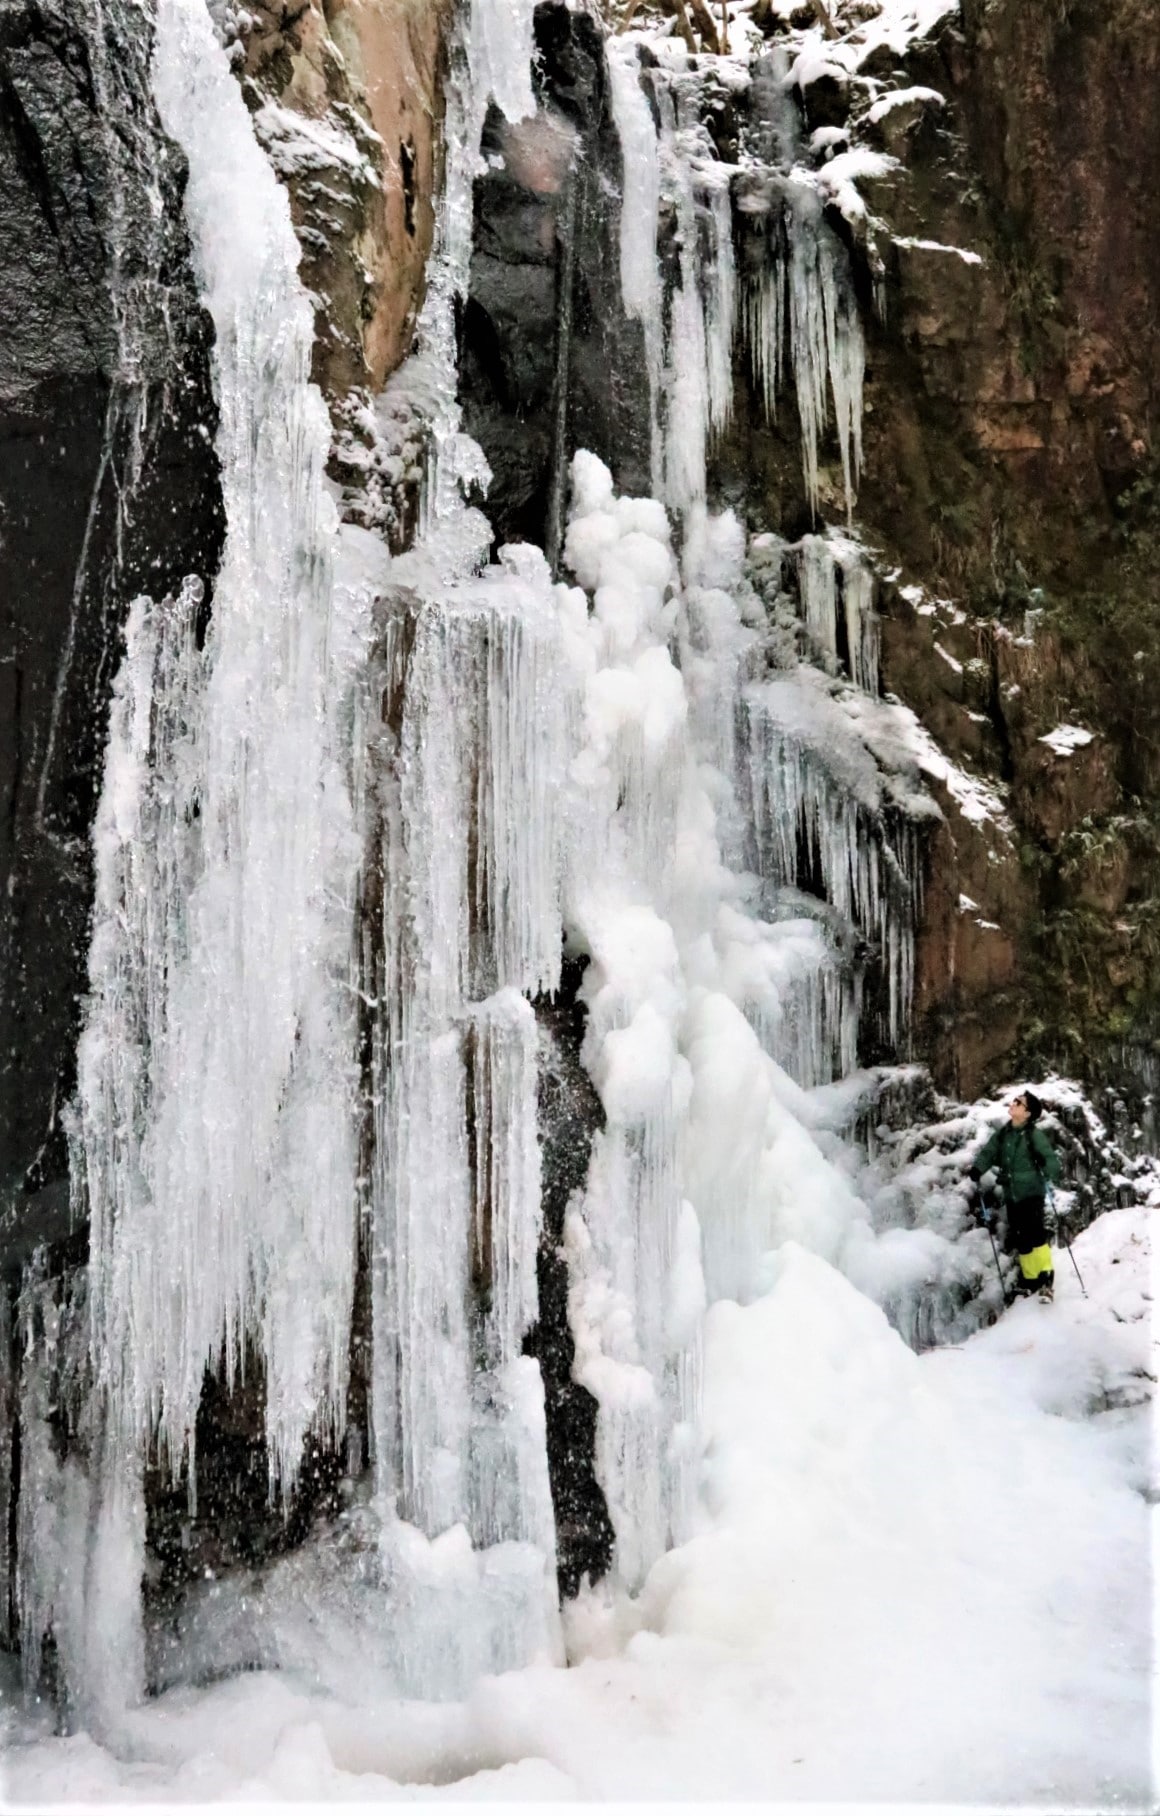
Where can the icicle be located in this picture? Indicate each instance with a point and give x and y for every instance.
(500, 55)
(640, 278)
(821, 324)
(765, 310)
(506, 1220)
(690, 367)
(869, 873)
(861, 620)
(721, 308)
(510, 1495)
(80, 1529)
(686, 378)
(821, 561)
(811, 1027)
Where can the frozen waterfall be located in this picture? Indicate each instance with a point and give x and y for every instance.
(356, 810)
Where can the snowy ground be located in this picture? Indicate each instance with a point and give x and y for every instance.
(918, 1579)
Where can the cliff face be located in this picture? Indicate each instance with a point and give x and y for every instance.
(1009, 267)
(1012, 466)
(1011, 270)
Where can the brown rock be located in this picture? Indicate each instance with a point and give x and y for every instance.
(371, 69)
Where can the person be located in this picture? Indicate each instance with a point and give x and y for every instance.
(1026, 1164)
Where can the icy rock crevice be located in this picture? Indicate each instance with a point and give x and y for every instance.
(790, 292)
(818, 809)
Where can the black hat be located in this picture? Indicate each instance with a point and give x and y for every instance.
(1034, 1105)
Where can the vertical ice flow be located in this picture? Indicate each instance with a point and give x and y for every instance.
(214, 1133)
(640, 278)
(541, 763)
(632, 1242)
(689, 334)
(471, 920)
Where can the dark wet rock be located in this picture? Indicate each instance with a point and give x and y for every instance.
(826, 101)
(569, 1114)
(108, 488)
(549, 363)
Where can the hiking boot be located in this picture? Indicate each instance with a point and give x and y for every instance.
(1047, 1288)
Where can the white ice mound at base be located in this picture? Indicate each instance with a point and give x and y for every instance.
(815, 1419)
(370, 1606)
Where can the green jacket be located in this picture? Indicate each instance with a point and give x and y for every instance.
(1024, 1158)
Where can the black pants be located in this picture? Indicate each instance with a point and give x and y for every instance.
(1026, 1227)
(1027, 1235)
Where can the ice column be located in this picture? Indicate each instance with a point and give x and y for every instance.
(720, 278)
(632, 1243)
(80, 1527)
(214, 1130)
(828, 566)
(817, 583)
(688, 335)
(861, 619)
(468, 783)
(472, 770)
(640, 277)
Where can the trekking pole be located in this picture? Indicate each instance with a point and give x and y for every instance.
(1067, 1245)
(987, 1225)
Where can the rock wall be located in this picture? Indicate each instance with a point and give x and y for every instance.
(108, 487)
(1013, 461)
(1012, 399)
(549, 361)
